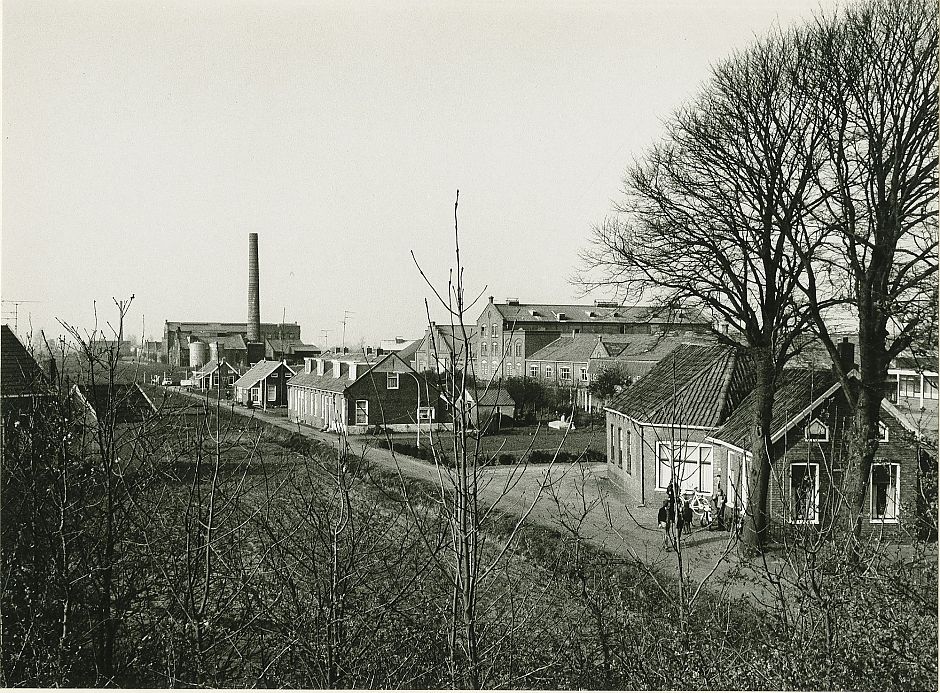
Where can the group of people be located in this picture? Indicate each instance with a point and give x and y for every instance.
(677, 512)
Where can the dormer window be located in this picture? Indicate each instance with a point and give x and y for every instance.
(817, 431)
(882, 432)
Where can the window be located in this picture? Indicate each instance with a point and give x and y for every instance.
(691, 465)
(564, 372)
(362, 412)
(512, 369)
(231, 380)
(518, 348)
(882, 432)
(619, 447)
(613, 448)
(272, 393)
(583, 374)
(391, 381)
(885, 491)
(533, 370)
(483, 349)
(495, 351)
(804, 492)
(626, 453)
(817, 430)
(493, 330)
(484, 368)
(549, 372)
(930, 387)
(425, 413)
(909, 385)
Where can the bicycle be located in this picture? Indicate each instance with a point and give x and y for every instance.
(701, 506)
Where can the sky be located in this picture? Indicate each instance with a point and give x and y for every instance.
(143, 142)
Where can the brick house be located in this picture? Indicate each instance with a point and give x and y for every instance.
(213, 373)
(811, 420)
(574, 360)
(24, 387)
(442, 348)
(663, 421)
(509, 333)
(346, 393)
(264, 385)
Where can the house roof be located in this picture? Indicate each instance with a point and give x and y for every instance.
(127, 402)
(389, 363)
(211, 367)
(922, 363)
(802, 392)
(495, 397)
(290, 346)
(694, 385)
(259, 372)
(548, 313)
(406, 353)
(20, 375)
(449, 339)
(799, 388)
(581, 348)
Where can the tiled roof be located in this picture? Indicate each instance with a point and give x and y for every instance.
(127, 402)
(19, 372)
(406, 353)
(495, 397)
(548, 312)
(259, 372)
(580, 347)
(575, 348)
(798, 388)
(694, 385)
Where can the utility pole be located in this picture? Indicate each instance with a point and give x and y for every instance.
(325, 335)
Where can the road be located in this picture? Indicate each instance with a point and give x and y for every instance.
(575, 500)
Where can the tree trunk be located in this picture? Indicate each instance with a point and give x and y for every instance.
(758, 469)
(863, 445)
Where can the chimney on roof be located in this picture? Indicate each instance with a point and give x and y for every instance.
(254, 294)
(308, 365)
(846, 351)
(321, 366)
(491, 299)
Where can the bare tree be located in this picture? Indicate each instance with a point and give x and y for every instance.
(709, 216)
(878, 94)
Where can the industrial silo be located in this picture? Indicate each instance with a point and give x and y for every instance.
(198, 354)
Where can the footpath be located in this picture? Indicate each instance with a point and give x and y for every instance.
(573, 499)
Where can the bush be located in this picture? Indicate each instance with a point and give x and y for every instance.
(506, 458)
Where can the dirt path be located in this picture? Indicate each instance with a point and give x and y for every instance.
(574, 500)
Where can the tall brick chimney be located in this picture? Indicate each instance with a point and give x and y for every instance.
(254, 296)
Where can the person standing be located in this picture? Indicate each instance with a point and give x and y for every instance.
(685, 520)
(664, 519)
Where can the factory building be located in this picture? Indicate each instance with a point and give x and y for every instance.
(194, 344)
